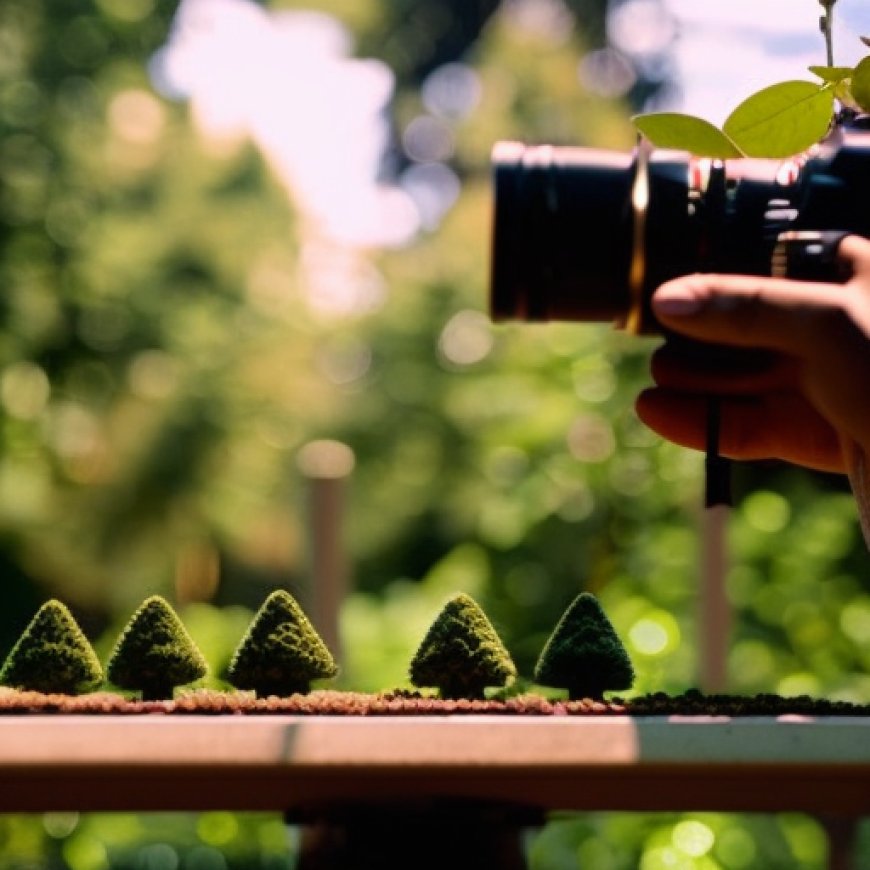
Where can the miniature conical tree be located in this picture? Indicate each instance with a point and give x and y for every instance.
(281, 652)
(52, 655)
(584, 654)
(154, 653)
(461, 653)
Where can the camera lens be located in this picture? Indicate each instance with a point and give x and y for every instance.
(584, 234)
(562, 233)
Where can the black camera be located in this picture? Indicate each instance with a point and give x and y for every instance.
(587, 235)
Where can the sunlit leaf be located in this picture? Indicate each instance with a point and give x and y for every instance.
(781, 120)
(861, 84)
(686, 133)
(843, 93)
(831, 73)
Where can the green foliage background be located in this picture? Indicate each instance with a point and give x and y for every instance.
(160, 370)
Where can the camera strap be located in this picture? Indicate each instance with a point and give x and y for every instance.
(717, 469)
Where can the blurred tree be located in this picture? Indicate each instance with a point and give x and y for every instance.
(124, 257)
(415, 37)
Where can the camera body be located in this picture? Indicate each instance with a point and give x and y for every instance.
(581, 234)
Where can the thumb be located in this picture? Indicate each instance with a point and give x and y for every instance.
(855, 252)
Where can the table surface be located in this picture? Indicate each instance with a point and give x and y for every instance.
(312, 763)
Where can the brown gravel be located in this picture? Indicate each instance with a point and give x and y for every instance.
(207, 702)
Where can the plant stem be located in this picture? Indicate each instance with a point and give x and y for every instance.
(826, 24)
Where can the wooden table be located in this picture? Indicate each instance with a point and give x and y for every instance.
(279, 762)
(320, 767)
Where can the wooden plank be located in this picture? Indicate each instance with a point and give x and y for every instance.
(305, 764)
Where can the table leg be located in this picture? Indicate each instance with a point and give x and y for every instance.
(430, 835)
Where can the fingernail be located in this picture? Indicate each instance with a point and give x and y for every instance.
(677, 306)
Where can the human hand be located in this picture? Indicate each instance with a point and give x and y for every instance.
(798, 388)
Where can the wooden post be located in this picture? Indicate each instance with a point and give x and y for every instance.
(327, 465)
(842, 833)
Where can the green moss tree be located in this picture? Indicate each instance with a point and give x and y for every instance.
(52, 655)
(462, 653)
(584, 653)
(154, 653)
(281, 652)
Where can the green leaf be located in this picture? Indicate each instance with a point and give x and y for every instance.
(686, 133)
(832, 74)
(843, 93)
(781, 120)
(861, 84)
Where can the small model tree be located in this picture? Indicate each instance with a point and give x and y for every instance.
(52, 655)
(461, 653)
(154, 653)
(584, 654)
(281, 652)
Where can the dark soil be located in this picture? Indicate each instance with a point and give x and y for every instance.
(404, 703)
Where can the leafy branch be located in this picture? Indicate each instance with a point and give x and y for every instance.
(778, 121)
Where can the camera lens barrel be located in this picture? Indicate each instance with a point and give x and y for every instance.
(575, 237)
(584, 234)
(562, 231)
